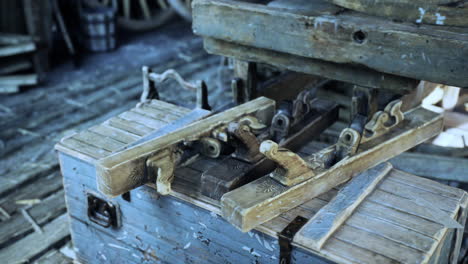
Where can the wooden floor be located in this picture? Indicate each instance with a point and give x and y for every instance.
(33, 221)
(33, 225)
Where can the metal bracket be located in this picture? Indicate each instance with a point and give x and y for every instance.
(291, 116)
(383, 121)
(286, 237)
(102, 212)
(150, 90)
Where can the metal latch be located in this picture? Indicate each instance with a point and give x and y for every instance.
(102, 212)
(286, 237)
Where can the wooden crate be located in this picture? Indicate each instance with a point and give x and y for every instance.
(391, 225)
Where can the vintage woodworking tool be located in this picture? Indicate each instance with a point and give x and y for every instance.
(155, 160)
(298, 179)
(233, 172)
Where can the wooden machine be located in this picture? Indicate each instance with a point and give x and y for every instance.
(163, 183)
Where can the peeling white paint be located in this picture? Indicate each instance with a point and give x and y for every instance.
(117, 246)
(213, 214)
(252, 251)
(177, 203)
(273, 257)
(202, 224)
(259, 239)
(188, 245)
(250, 233)
(318, 21)
(440, 19)
(422, 12)
(246, 248)
(135, 256)
(191, 228)
(139, 195)
(194, 235)
(267, 245)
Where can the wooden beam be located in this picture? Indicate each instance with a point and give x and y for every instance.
(125, 170)
(328, 219)
(423, 52)
(346, 73)
(419, 12)
(259, 201)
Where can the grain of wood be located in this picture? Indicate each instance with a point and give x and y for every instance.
(328, 219)
(36, 243)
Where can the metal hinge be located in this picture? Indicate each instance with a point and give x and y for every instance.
(286, 237)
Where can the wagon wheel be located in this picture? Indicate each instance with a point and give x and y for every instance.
(183, 8)
(143, 15)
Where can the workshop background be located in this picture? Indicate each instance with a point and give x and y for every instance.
(68, 65)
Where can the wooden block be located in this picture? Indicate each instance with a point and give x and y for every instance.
(265, 198)
(403, 49)
(124, 170)
(328, 219)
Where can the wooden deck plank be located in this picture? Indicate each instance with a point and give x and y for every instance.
(115, 133)
(36, 243)
(328, 219)
(99, 141)
(129, 126)
(379, 245)
(38, 189)
(142, 119)
(17, 226)
(397, 217)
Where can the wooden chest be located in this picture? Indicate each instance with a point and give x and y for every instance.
(401, 220)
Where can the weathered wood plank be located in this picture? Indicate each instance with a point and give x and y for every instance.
(129, 126)
(411, 207)
(326, 221)
(432, 166)
(335, 71)
(36, 243)
(18, 80)
(396, 217)
(115, 133)
(420, 52)
(26, 173)
(393, 232)
(16, 49)
(265, 198)
(53, 257)
(99, 141)
(416, 194)
(16, 227)
(379, 245)
(441, 13)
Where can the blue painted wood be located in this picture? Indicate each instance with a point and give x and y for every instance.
(160, 229)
